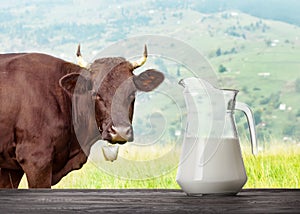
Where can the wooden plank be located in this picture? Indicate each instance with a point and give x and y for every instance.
(147, 201)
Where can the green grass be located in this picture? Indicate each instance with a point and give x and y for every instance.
(277, 167)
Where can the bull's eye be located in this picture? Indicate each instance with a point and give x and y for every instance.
(96, 96)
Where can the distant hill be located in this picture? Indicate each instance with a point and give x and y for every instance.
(258, 56)
(286, 11)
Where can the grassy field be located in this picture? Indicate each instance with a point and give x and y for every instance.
(277, 167)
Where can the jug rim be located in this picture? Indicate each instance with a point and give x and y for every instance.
(181, 82)
(235, 91)
(232, 90)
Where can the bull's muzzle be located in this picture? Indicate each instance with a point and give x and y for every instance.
(120, 134)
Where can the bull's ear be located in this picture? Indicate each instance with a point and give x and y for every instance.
(75, 82)
(148, 80)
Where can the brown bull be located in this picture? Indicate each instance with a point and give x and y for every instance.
(53, 111)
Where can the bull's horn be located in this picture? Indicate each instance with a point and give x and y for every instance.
(81, 62)
(141, 61)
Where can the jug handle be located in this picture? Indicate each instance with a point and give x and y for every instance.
(250, 118)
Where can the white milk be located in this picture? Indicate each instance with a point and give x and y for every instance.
(214, 167)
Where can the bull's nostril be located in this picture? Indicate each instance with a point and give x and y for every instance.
(129, 134)
(129, 131)
(113, 130)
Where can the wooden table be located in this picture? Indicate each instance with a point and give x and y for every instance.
(147, 201)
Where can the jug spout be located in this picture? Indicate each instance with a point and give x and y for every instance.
(194, 84)
(181, 82)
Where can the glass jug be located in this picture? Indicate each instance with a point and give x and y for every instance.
(211, 160)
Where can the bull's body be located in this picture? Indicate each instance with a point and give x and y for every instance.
(36, 120)
(38, 97)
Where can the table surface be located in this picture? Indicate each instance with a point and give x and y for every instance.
(146, 201)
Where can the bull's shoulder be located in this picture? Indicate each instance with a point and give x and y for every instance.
(8, 58)
(14, 56)
(10, 55)
(22, 61)
(36, 63)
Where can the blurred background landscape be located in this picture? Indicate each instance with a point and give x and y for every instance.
(253, 46)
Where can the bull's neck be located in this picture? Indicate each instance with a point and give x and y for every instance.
(84, 123)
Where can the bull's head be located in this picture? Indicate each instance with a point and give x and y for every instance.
(113, 86)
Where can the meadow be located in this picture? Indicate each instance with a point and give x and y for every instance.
(276, 167)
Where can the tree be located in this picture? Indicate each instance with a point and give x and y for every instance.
(178, 73)
(161, 65)
(222, 68)
(245, 89)
(219, 52)
(289, 129)
(257, 117)
(298, 113)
